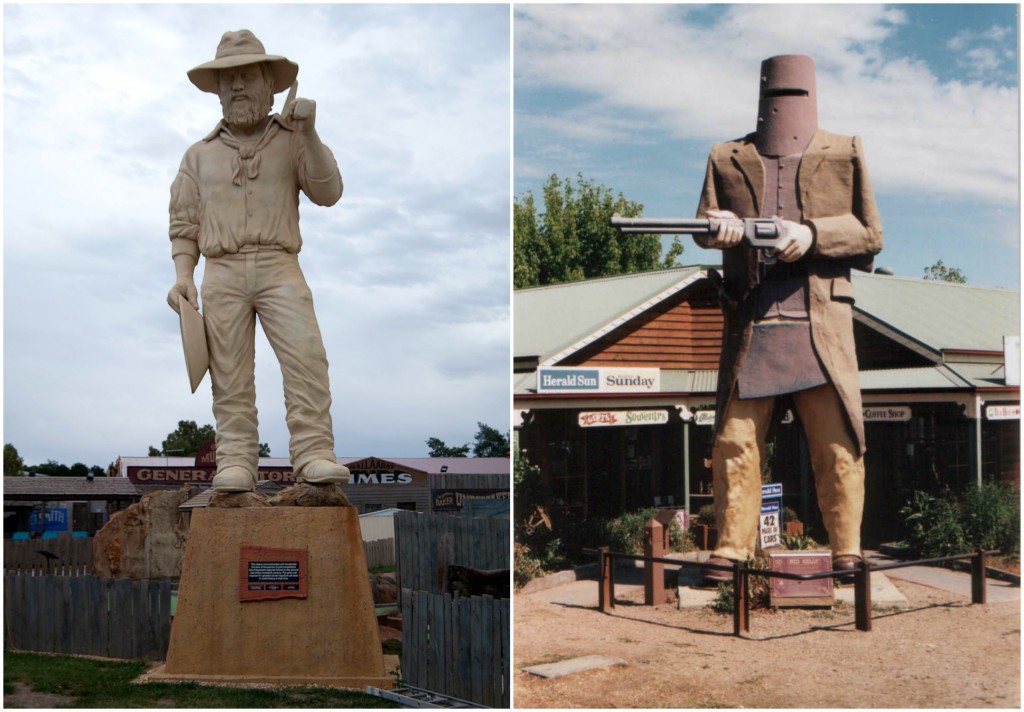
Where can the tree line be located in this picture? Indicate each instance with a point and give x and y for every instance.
(187, 439)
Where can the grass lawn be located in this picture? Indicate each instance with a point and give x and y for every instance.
(105, 684)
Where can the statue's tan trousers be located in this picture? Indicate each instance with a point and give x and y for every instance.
(737, 461)
(268, 283)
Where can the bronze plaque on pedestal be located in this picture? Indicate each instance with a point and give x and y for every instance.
(794, 593)
(268, 574)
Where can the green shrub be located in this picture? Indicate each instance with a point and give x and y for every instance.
(626, 533)
(991, 518)
(706, 515)
(933, 525)
(798, 541)
(758, 589)
(985, 517)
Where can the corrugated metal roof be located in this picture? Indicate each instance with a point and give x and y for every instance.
(551, 318)
(940, 315)
(68, 488)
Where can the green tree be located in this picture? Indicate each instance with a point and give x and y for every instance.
(189, 438)
(51, 468)
(572, 239)
(941, 273)
(13, 464)
(438, 448)
(489, 442)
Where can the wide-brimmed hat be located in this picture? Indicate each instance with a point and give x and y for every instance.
(237, 49)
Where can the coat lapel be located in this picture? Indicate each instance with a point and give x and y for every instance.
(746, 160)
(813, 156)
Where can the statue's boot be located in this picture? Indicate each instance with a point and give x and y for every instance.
(323, 472)
(234, 479)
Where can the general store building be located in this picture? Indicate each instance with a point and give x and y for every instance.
(421, 484)
(614, 390)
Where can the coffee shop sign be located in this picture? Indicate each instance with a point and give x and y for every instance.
(609, 418)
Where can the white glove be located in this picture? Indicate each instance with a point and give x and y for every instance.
(730, 230)
(796, 242)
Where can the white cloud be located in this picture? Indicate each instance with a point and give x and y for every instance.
(700, 82)
(409, 270)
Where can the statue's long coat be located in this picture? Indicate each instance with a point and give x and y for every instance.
(837, 202)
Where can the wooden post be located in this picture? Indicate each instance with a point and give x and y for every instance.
(741, 600)
(604, 594)
(654, 573)
(978, 589)
(862, 596)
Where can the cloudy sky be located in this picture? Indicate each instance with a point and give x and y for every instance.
(633, 97)
(409, 271)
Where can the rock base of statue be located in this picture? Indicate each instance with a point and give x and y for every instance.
(276, 595)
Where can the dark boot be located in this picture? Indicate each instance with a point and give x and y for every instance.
(847, 562)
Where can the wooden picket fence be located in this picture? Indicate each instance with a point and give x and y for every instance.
(69, 556)
(428, 543)
(86, 615)
(380, 552)
(458, 647)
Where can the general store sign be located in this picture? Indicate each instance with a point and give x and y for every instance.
(887, 413)
(598, 380)
(610, 418)
(1002, 412)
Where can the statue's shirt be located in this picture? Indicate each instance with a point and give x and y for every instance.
(781, 357)
(230, 194)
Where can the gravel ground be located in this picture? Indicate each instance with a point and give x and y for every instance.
(940, 652)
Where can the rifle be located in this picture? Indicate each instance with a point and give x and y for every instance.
(763, 233)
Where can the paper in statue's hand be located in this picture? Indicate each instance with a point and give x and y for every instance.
(193, 340)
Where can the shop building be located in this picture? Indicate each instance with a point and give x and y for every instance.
(421, 484)
(614, 391)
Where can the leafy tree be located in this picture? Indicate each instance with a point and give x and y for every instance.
(438, 448)
(941, 273)
(51, 468)
(489, 442)
(13, 464)
(572, 240)
(189, 438)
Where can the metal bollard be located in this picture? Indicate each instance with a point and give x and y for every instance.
(979, 593)
(862, 596)
(741, 600)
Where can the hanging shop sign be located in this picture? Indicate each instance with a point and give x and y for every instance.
(1002, 412)
(887, 413)
(598, 380)
(611, 418)
(704, 417)
(451, 500)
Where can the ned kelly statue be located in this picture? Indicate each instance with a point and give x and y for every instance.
(790, 207)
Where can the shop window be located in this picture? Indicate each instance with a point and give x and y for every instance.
(408, 506)
(372, 507)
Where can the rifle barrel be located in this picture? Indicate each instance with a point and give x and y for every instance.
(662, 226)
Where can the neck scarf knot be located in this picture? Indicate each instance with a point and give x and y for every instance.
(248, 156)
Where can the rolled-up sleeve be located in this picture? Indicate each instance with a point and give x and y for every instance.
(323, 190)
(184, 214)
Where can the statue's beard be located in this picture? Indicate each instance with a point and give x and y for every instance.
(246, 114)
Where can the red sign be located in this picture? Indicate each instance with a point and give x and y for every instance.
(266, 574)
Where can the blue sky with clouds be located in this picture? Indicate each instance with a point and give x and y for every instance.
(409, 271)
(633, 97)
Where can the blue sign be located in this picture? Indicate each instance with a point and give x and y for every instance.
(568, 379)
(772, 490)
(56, 521)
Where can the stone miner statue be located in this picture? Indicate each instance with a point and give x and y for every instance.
(788, 312)
(235, 200)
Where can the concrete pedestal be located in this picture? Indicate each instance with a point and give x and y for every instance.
(329, 638)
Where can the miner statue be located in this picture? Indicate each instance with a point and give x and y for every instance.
(788, 310)
(235, 200)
